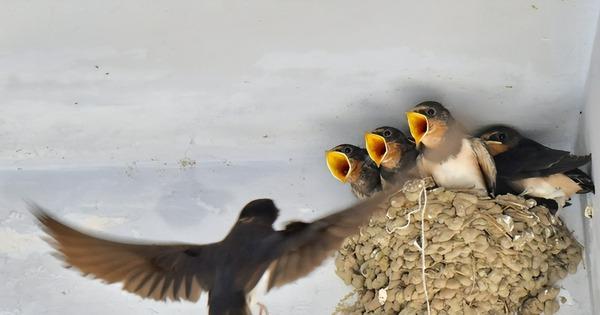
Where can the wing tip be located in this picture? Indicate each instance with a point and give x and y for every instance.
(42, 215)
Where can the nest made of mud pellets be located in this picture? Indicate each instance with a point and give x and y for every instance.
(482, 256)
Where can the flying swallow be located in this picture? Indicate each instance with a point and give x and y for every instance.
(227, 269)
(534, 169)
(394, 153)
(450, 155)
(351, 164)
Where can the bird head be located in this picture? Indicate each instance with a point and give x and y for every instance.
(344, 161)
(385, 145)
(261, 210)
(499, 138)
(428, 122)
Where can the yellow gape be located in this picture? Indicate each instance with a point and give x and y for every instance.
(376, 147)
(418, 125)
(339, 165)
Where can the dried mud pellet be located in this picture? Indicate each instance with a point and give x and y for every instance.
(398, 201)
(469, 234)
(446, 196)
(443, 235)
(455, 224)
(446, 294)
(485, 204)
(453, 284)
(408, 290)
(551, 307)
(358, 281)
(345, 275)
(476, 258)
(465, 281)
(380, 281)
(391, 295)
(433, 210)
(408, 311)
(412, 196)
(506, 222)
(367, 297)
(372, 305)
(437, 304)
(544, 266)
(467, 198)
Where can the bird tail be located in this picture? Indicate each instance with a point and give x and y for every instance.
(582, 179)
(232, 304)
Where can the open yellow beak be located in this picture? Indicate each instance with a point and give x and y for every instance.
(418, 125)
(376, 147)
(339, 165)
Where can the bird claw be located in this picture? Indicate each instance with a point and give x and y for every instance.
(261, 308)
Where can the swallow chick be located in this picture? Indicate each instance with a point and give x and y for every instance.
(533, 169)
(394, 154)
(504, 187)
(227, 269)
(450, 155)
(351, 164)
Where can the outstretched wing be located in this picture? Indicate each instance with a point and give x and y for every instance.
(532, 159)
(159, 272)
(486, 163)
(304, 246)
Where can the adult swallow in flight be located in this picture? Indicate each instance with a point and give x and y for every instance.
(394, 153)
(351, 164)
(451, 156)
(227, 269)
(534, 169)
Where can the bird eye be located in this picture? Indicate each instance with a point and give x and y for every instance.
(387, 133)
(501, 137)
(347, 150)
(430, 112)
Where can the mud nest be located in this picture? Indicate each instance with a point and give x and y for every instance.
(482, 255)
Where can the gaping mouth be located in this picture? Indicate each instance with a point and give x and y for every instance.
(417, 123)
(339, 165)
(376, 147)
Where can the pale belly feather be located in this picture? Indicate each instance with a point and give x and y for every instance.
(459, 171)
(558, 187)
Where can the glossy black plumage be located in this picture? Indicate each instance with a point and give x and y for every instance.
(227, 270)
(534, 169)
(524, 158)
(532, 159)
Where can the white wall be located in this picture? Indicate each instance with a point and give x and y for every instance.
(307, 74)
(232, 83)
(588, 141)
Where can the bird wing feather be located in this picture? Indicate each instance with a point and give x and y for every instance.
(582, 179)
(304, 246)
(159, 272)
(532, 159)
(486, 163)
